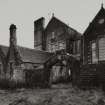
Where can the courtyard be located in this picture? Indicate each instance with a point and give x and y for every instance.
(61, 94)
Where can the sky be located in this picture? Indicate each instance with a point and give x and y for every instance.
(77, 13)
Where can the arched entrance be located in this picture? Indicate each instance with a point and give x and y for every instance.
(61, 68)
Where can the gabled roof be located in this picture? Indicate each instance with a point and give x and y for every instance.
(95, 22)
(54, 23)
(58, 23)
(56, 20)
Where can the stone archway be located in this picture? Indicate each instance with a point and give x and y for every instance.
(70, 62)
(74, 65)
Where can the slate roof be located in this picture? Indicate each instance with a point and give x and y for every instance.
(29, 55)
(33, 56)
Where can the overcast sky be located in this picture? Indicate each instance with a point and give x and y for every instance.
(76, 13)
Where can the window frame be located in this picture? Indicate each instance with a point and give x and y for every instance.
(96, 52)
(99, 37)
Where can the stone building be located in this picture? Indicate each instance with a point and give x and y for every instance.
(61, 36)
(56, 36)
(94, 40)
(20, 64)
(93, 53)
(17, 62)
(60, 39)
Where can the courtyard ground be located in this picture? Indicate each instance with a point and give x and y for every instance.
(57, 95)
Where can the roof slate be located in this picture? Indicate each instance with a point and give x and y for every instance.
(29, 55)
(32, 55)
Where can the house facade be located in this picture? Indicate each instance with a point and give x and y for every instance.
(19, 65)
(60, 36)
(60, 39)
(93, 53)
(94, 40)
(57, 36)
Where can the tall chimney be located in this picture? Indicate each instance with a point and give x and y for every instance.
(38, 33)
(13, 39)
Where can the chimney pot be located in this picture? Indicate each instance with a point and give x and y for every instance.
(12, 26)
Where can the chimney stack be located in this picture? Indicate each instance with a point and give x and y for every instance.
(13, 40)
(38, 33)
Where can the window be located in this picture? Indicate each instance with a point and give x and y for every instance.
(11, 68)
(53, 35)
(49, 47)
(101, 44)
(53, 38)
(94, 52)
(53, 47)
(75, 47)
(78, 46)
(56, 46)
(61, 45)
(97, 50)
